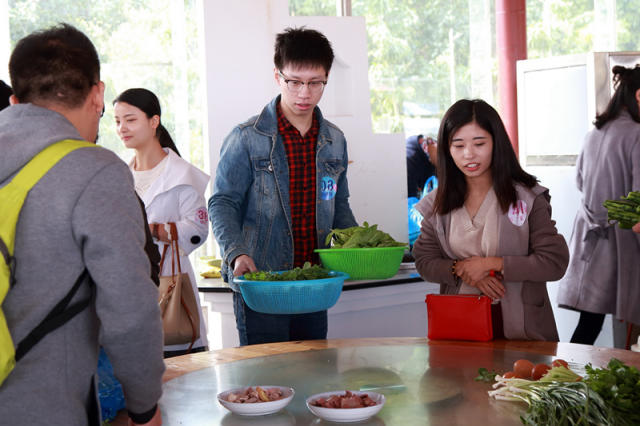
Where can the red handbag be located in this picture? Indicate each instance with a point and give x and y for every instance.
(459, 317)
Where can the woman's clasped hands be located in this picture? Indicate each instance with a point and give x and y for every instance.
(479, 272)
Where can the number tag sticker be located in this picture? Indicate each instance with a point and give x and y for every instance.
(518, 213)
(328, 188)
(202, 216)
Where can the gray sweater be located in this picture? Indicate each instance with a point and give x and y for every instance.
(82, 214)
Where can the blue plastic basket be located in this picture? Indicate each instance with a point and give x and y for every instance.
(292, 297)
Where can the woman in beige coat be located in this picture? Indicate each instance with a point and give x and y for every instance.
(604, 273)
(487, 229)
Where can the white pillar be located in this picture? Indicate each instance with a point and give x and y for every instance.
(480, 44)
(181, 87)
(453, 96)
(343, 7)
(604, 26)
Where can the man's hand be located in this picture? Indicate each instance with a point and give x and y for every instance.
(243, 264)
(156, 420)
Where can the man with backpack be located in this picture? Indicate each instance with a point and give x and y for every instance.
(75, 274)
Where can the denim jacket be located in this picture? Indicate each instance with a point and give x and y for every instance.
(249, 209)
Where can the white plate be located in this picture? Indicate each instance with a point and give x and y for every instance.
(256, 408)
(346, 414)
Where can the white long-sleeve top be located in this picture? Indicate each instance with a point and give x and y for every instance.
(177, 195)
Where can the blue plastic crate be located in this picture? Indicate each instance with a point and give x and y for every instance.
(292, 297)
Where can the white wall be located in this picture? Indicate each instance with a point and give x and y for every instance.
(239, 63)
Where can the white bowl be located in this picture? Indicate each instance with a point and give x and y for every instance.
(346, 414)
(256, 408)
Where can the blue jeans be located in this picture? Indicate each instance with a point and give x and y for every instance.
(256, 327)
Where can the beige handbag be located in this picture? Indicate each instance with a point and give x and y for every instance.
(178, 305)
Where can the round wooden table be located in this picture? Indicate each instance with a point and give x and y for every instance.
(425, 382)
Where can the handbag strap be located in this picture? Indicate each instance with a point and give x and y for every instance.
(193, 324)
(175, 258)
(175, 250)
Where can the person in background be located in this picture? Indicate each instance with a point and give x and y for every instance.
(487, 228)
(5, 94)
(431, 149)
(604, 272)
(419, 164)
(82, 215)
(421, 179)
(171, 188)
(281, 186)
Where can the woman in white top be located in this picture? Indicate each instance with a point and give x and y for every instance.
(171, 188)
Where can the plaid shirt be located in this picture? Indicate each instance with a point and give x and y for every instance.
(301, 157)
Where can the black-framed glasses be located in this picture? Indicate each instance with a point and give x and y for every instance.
(315, 86)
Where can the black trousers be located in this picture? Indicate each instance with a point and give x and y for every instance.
(588, 328)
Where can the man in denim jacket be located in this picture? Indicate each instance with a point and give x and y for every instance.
(281, 186)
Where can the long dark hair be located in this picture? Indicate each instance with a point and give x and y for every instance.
(626, 82)
(505, 169)
(148, 102)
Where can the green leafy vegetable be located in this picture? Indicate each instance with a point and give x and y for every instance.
(485, 375)
(619, 386)
(307, 272)
(607, 396)
(626, 210)
(360, 237)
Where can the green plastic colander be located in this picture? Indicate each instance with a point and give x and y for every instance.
(363, 263)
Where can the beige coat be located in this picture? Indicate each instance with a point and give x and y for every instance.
(533, 253)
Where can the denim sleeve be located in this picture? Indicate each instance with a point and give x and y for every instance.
(233, 179)
(343, 216)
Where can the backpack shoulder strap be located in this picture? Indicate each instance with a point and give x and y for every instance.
(12, 197)
(58, 316)
(42, 162)
(15, 192)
